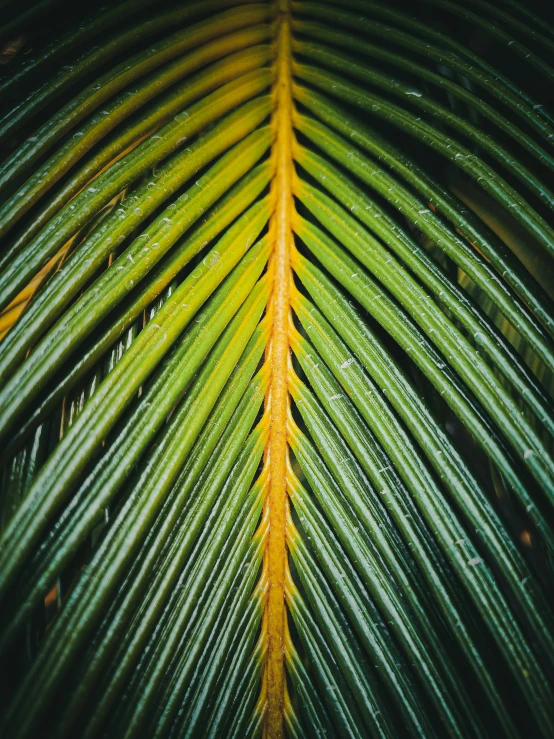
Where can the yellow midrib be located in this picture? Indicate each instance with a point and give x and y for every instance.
(277, 402)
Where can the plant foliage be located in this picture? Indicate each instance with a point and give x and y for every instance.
(276, 418)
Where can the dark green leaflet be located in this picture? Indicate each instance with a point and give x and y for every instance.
(361, 244)
(428, 42)
(378, 466)
(510, 20)
(66, 43)
(336, 354)
(518, 48)
(116, 79)
(101, 124)
(494, 250)
(320, 53)
(439, 114)
(431, 363)
(489, 180)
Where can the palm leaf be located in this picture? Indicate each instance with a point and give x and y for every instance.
(276, 371)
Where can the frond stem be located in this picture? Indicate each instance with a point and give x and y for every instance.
(277, 401)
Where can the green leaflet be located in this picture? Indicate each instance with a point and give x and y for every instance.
(237, 485)
(428, 42)
(518, 48)
(484, 176)
(336, 354)
(134, 262)
(318, 53)
(116, 145)
(439, 115)
(177, 540)
(220, 216)
(100, 125)
(396, 498)
(144, 157)
(431, 363)
(495, 251)
(142, 425)
(94, 95)
(406, 290)
(137, 363)
(377, 576)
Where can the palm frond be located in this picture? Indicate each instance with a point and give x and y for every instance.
(276, 361)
